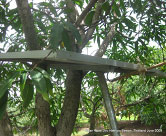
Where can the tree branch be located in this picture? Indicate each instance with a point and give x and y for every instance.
(71, 15)
(105, 43)
(53, 20)
(90, 32)
(110, 35)
(86, 10)
(138, 72)
(16, 115)
(83, 108)
(139, 101)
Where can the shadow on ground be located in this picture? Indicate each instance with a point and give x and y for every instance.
(132, 128)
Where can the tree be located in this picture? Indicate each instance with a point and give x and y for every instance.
(119, 27)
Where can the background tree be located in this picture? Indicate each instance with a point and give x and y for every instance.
(123, 30)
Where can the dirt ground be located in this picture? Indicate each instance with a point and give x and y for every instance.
(135, 128)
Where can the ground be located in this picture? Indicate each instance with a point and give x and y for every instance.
(138, 129)
(133, 128)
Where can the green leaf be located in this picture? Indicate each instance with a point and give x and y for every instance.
(3, 104)
(49, 6)
(122, 5)
(121, 27)
(47, 79)
(116, 9)
(40, 83)
(79, 3)
(98, 41)
(7, 83)
(49, 87)
(138, 4)
(86, 1)
(136, 47)
(41, 26)
(45, 4)
(58, 73)
(132, 18)
(27, 93)
(12, 12)
(70, 27)
(129, 24)
(66, 40)
(89, 17)
(23, 79)
(56, 35)
(106, 6)
(45, 74)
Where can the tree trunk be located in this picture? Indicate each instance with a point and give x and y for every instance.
(92, 122)
(42, 107)
(5, 126)
(43, 116)
(71, 103)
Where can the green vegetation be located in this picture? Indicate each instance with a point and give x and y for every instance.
(33, 94)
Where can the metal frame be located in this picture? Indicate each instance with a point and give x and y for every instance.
(108, 104)
(75, 61)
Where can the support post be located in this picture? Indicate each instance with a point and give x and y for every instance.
(108, 103)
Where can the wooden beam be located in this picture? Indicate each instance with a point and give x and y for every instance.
(76, 61)
(83, 67)
(65, 56)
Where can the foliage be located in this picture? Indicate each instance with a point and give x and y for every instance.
(143, 96)
(147, 98)
(140, 24)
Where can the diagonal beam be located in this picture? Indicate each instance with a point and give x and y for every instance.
(108, 103)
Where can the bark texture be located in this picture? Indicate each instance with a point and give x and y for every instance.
(28, 24)
(71, 103)
(43, 116)
(42, 107)
(73, 87)
(5, 126)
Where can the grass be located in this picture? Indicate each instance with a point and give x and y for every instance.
(26, 135)
(84, 124)
(125, 118)
(80, 133)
